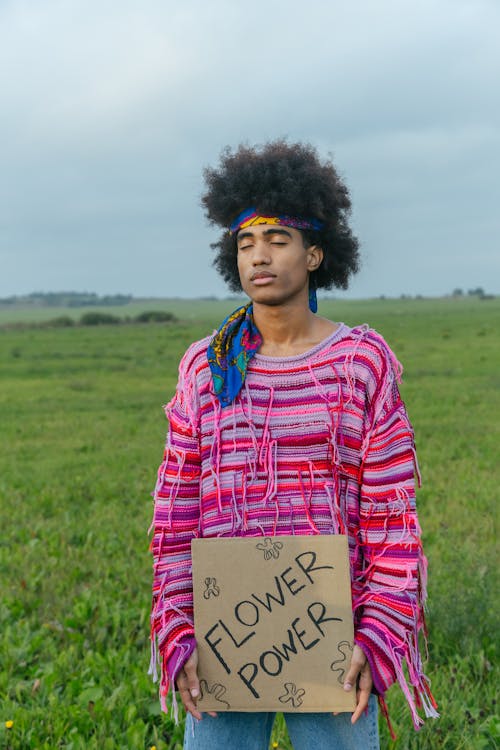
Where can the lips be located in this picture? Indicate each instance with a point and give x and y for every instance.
(262, 275)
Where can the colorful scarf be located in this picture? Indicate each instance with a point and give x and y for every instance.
(232, 347)
(229, 352)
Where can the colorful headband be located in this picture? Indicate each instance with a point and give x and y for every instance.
(249, 218)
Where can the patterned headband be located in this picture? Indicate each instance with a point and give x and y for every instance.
(249, 218)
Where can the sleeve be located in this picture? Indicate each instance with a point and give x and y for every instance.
(390, 610)
(175, 524)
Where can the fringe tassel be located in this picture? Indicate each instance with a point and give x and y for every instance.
(168, 684)
(422, 696)
(385, 714)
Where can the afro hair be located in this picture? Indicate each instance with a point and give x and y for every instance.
(283, 178)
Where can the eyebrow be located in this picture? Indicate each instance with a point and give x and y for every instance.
(266, 233)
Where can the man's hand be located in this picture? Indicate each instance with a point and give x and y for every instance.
(188, 686)
(359, 675)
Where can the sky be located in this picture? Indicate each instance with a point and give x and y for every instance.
(110, 110)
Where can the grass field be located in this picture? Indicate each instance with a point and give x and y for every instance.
(82, 435)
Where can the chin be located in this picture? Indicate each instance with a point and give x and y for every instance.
(272, 300)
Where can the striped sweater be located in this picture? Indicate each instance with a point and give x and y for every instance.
(317, 443)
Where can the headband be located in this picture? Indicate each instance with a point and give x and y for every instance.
(249, 218)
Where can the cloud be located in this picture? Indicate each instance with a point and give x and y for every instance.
(110, 110)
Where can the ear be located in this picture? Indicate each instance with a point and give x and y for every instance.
(314, 258)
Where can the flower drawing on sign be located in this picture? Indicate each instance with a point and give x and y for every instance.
(216, 690)
(344, 648)
(292, 694)
(211, 588)
(270, 548)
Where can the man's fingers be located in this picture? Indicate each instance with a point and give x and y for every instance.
(362, 698)
(189, 686)
(189, 704)
(350, 679)
(359, 674)
(365, 684)
(365, 681)
(190, 670)
(186, 697)
(358, 661)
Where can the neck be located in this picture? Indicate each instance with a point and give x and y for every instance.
(284, 325)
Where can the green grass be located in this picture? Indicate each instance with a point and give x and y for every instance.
(82, 434)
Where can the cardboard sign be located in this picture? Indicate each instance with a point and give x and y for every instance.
(273, 623)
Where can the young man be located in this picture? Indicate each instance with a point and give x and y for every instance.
(284, 422)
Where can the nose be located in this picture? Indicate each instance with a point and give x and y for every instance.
(260, 253)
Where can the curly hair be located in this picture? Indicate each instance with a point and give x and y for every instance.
(284, 178)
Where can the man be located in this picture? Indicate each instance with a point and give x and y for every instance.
(285, 422)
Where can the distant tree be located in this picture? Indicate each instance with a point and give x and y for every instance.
(115, 299)
(155, 316)
(478, 292)
(98, 318)
(67, 299)
(62, 321)
(457, 293)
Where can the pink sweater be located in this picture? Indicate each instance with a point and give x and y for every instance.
(318, 443)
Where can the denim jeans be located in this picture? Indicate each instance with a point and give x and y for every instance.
(252, 731)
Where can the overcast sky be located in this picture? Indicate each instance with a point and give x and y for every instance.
(110, 109)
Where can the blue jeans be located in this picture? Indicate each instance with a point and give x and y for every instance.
(252, 731)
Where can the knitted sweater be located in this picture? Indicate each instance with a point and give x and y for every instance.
(317, 443)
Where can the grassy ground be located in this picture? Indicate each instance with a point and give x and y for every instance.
(83, 432)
